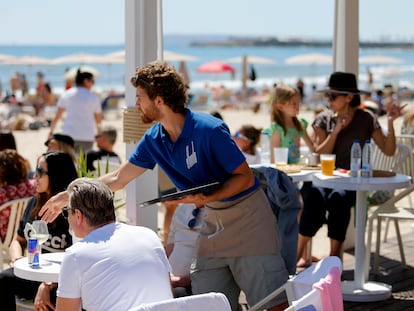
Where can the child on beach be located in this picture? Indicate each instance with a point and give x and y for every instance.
(247, 138)
(286, 129)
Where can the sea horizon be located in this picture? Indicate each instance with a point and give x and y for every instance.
(112, 76)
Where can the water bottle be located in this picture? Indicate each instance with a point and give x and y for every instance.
(355, 164)
(366, 171)
(265, 148)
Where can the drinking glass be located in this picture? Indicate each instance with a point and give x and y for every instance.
(41, 233)
(281, 156)
(328, 164)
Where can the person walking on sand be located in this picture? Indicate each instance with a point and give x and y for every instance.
(83, 112)
(239, 246)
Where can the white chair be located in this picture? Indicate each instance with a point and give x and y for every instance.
(17, 207)
(318, 286)
(388, 210)
(201, 302)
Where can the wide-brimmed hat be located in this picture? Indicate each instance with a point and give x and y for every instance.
(63, 138)
(342, 83)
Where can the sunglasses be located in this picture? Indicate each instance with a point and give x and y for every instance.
(40, 172)
(65, 211)
(332, 96)
(241, 136)
(191, 224)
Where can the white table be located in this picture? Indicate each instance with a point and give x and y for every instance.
(360, 289)
(48, 271)
(303, 175)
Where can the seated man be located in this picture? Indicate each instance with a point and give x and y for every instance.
(105, 141)
(115, 266)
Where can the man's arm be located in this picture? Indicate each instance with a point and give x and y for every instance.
(68, 304)
(115, 180)
(241, 179)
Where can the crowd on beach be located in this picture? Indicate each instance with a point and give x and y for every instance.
(229, 238)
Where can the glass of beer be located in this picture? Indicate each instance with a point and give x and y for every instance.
(328, 164)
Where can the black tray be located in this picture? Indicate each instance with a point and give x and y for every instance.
(180, 194)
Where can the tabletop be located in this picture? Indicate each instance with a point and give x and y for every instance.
(345, 182)
(47, 271)
(296, 172)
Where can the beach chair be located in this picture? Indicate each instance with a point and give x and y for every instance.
(17, 207)
(315, 288)
(201, 302)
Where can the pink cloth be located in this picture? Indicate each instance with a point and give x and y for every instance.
(25, 189)
(331, 291)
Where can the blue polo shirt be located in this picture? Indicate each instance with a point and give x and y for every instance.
(204, 152)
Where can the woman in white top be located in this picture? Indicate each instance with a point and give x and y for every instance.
(247, 138)
(83, 112)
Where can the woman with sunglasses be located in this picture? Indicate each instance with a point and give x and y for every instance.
(54, 172)
(335, 130)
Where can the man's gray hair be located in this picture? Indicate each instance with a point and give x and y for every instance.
(94, 199)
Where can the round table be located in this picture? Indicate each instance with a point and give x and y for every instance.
(47, 271)
(360, 289)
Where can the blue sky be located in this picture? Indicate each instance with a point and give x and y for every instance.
(102, 21)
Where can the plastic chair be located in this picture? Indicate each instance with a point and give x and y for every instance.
(17, 207)
(318, 286)
(201, 302)
(388, 210)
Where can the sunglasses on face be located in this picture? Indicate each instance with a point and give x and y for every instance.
(40, 172)
(65, 211)
(191, 224)
(332, 96)
(239, 135)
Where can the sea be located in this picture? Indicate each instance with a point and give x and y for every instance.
(112, 76)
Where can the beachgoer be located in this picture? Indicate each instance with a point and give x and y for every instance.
(53, 174)
(83, 112)
(114, 266)
(247, 138)
(63, 143)
(407, 127)
(105, 141)
(335, 130)
(239, 229)
(14, 183)
(286, 130)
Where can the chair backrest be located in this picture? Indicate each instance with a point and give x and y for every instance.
(311, 287)
(17, 207)
(408, 140)
(394, 163)
(201, 302)
(302, 283)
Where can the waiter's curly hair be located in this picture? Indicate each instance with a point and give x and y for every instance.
(160, 79)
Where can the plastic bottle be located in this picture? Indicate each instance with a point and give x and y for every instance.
(265, 148)
(355, 164)
(366, 171)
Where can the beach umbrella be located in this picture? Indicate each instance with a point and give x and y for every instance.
(27, 60)
(70, 74)
(380, 59)
(4, 57)
(249, 59)
(80, 58)
(310, 59)
(215, 67)
(172, 56)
